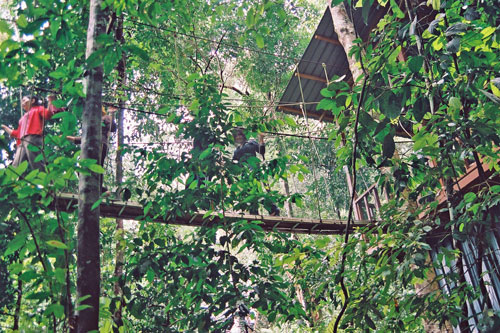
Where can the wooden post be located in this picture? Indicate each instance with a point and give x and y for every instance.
(88, 249)
(377, 200)
(367, 207)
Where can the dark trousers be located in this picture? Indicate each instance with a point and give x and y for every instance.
(104, 153)
(24, 154)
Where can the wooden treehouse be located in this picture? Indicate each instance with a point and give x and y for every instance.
(324, 58)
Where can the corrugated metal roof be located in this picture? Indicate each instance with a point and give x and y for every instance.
(322, 49)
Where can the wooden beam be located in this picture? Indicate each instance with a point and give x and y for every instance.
(328, 40)
(310, 77)
(470, 181)
(322, 117)
(134, 211)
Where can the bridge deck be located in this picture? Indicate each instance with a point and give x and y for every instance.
(135, 211)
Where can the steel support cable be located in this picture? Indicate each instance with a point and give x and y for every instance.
(255, 101)
(234, 46)
(304, 113)
(164, 115)
(309, 132)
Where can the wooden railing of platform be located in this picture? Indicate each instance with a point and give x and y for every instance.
(134, 211)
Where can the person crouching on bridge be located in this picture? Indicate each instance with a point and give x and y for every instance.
(246, 149)
(31, 130)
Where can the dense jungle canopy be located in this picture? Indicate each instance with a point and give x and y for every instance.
(418, 111)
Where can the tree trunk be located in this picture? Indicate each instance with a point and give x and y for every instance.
(88, 249)
(117, 316)
(344, 28)
(17, 313)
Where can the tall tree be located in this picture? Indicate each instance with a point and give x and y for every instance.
(120, 251)
(88, 263)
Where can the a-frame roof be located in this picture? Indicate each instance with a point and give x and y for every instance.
(324, 48)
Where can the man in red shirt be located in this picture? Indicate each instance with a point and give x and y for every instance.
(30, 131)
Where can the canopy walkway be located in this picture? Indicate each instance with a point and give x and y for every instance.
(135, 211)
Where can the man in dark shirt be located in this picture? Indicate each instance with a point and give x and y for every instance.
(108, 126)
(246, 149)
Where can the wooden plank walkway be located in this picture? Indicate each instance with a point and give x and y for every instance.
(135, 211)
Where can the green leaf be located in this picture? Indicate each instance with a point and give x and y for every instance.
(456, 29)
(63, 36)
(424, 139)
(96, 204)
(322, 242)
(95, 59)
(367, 121)
(204, 154)
(415, 63)
(395, 8)
(390, 105)
(326, 104)
(147, 208)
(83, 307)
(57, 244)
(5, 28)
(420, 108)
(454, 104)
(150, 275)
(453, 46)
(259, 40)
(56, 309)
(15, 244)
(55, 24)
(28, 276)
(436, 4)
(60, 275)
(97, 168)
(490, 96)
(290, 121)
(59, 73)
(471, 14)
(164, 109)
(22, 21)
(250, 20)
(438, 43)
(40, 61)
(470, 197)
(388, 147)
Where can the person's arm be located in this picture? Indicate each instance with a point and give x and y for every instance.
(112, 110)
(75, 139)
(262, 145)
(7, 130)
(48, 113)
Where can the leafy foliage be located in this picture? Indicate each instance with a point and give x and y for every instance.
(193, 74)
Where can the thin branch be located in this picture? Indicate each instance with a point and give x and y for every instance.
(351, 208)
